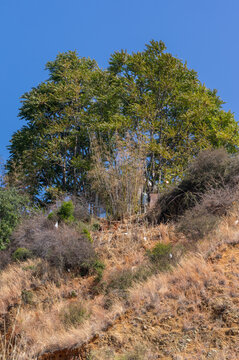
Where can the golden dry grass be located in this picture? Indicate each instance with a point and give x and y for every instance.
(187, 295)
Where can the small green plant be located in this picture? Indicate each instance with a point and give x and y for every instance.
(66, 211)
(87, 234)
(27, 297)
(96, 227)
(99, 267)
(22, 254)
(73, 294)
(52, 216)
(161, 256)
(121, 282)
(73, 315)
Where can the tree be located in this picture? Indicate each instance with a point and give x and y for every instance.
(52, 149)
(176, 113)
(13, 206)
(150, 95)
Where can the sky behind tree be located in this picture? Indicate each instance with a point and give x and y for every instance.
(203, 33)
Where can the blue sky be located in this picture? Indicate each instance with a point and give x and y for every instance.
(204, 33)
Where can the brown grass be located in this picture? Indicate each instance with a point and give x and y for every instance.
(199, 292)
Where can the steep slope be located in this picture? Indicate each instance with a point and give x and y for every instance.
(189, 312)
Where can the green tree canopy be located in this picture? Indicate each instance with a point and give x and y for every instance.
(177, 114)
(151, 95)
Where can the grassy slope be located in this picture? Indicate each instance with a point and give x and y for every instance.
(191, 312)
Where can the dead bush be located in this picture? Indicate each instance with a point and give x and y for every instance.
(117, 175)
(205, 215)
(73, 315)
(64, 248)
(5, 258)
(212, 169)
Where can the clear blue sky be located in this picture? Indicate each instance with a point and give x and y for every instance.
(203, 32)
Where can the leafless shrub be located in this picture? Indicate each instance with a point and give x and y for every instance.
(63, 248)
(118, 175)
(81, 208)
(204, 216)
(5, 258)
(212, 169)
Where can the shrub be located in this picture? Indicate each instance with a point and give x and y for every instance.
(84, 229)
(81, 208)
(52, 216)
(27, 297)
(98, 268)
(73, 315)
(87, 234)
(121, 281)
(205, 215)
(13, 206)
(96, 227)
(117, 175)
(64, 248)
(5, 258)
(161, 255)
(22, 254)
(66, 211)
(212, 169)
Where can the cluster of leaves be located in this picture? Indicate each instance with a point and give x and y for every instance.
(151, 95)
(64, 213)
(13, 206)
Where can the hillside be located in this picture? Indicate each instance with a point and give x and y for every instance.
(189, 310)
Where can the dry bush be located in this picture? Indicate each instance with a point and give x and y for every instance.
(5, 258)
(81, 212)
(73, 315)
(118, 176)
(206, 214)
(212, 169)
(64, 248)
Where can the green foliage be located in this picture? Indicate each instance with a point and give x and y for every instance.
(87, 234)
(160, 255)
(121, 281)
(66, 211)
(96, 227)
(22, 254)
(13, 206)
(52, 216)
(27, 297)
(178, 115)
(151, 94)
(98, 268)
(73, 315)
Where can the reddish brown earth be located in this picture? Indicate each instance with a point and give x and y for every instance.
(204, 327)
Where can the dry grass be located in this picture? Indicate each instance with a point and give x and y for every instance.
(13, 346)
(199, 292)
